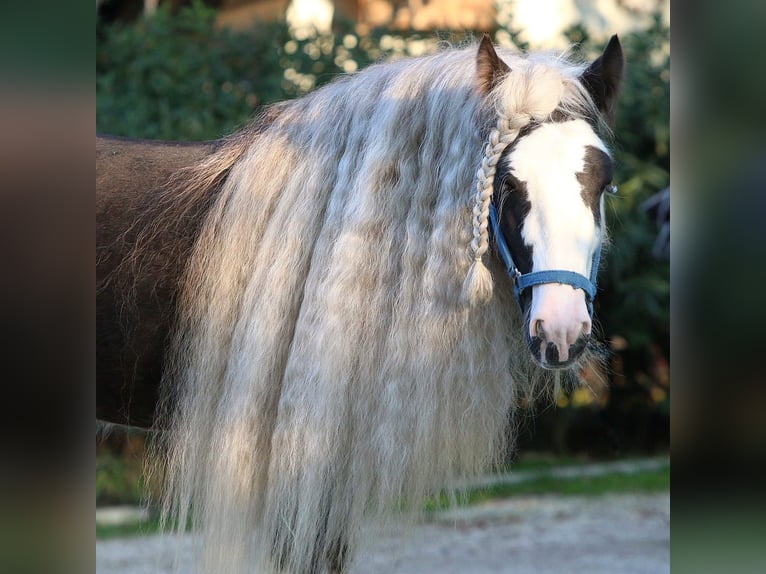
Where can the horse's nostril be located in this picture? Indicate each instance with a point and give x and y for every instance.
(537, 329)
(552, 353)
(576, 349)
(586, 327)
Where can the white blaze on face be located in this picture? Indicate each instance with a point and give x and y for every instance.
(560, 227)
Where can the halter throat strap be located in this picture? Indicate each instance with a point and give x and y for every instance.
(522, 281)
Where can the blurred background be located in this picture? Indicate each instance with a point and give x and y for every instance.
(197, 70)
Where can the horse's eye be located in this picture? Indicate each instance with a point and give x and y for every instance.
(610, 188)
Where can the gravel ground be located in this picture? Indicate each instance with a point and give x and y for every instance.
(609, 534)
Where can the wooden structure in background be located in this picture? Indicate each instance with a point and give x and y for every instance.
(394, 14)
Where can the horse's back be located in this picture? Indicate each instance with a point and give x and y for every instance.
(136, 292)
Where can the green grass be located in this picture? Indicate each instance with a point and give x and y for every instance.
(643, 481)
(145, 528)
(151, 526)
(537, 462)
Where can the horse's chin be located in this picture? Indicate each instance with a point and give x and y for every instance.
(544, 360)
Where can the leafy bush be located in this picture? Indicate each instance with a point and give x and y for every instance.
(118, 480)
(177, 77)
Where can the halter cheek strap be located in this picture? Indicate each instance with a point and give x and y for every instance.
(522, 281)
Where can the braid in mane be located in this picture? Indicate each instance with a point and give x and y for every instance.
(478, 284)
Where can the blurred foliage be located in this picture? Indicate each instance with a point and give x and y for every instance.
(634, 305)
(118, 479)
(176, 77)
(179, 77)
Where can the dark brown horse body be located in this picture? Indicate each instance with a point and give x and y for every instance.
(135, 300)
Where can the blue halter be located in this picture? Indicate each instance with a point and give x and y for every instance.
(522, 281)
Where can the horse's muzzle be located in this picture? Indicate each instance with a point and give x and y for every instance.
(546, 353)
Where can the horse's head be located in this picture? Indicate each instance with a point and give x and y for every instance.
(548, 210)
(549, 192)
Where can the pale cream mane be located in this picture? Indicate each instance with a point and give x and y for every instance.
(326, 364)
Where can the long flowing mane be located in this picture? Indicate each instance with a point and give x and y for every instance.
(325, 364)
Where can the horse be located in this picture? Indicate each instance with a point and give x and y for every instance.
(332, 314)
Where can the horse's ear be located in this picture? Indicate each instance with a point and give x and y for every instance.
(604, 76)
(490, 69)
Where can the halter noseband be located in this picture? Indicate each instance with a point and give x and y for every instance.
(522, 281)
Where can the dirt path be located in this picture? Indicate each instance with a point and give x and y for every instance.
(610, 534)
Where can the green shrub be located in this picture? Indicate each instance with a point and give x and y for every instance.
(177, 77)
(118, 480)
